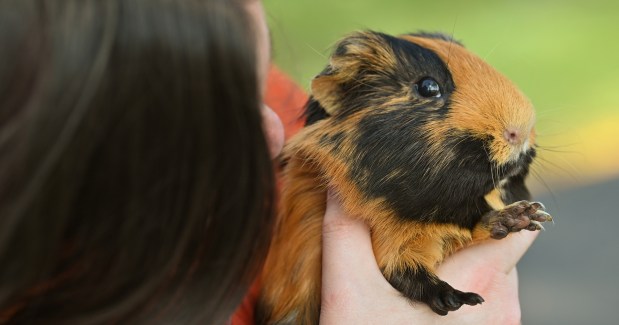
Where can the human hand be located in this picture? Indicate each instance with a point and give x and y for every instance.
(354, 290)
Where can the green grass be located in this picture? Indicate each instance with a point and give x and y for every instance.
(562, 54)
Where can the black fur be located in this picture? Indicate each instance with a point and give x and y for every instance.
(314, 112)
(333, 141)
(516, 189)
(419, 190)
(437, 35)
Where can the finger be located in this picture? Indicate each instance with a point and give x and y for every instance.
(502, 254)
(273, 129)
(347, 248)
(508, 251)
(353, 288)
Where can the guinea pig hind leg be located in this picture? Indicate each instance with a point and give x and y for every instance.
(515, 217)
(420, 284)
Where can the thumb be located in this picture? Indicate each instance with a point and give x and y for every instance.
(500, 255)
(347, 257)
(508, 251)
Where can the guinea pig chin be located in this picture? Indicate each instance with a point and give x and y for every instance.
(516, 161)
(516, 166)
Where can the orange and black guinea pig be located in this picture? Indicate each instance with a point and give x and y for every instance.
(421, 139)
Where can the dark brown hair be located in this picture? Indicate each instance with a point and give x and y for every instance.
(135, 181)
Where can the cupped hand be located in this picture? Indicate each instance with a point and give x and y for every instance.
(354, 290)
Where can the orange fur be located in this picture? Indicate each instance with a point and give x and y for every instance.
(291, 276)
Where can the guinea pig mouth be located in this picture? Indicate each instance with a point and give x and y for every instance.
(476, 157)
(517, 166)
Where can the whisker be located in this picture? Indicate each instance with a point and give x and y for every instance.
(453, 31)
(555, 150)
(539, 177)
(554, 110)
(316, 51)
(359, 83)
(491, 168)
(547, 147)
(492, 50)
(560, 154)
(559, 167)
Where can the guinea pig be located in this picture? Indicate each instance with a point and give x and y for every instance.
(425, 142)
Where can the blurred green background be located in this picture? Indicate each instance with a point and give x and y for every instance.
(565, 56)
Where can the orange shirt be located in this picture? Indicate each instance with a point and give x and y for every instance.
(287, 100)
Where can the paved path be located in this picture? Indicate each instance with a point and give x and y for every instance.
(571, 274)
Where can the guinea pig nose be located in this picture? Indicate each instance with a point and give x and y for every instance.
(512, 135)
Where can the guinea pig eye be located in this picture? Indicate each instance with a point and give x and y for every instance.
(428, 87)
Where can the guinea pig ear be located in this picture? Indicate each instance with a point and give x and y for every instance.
(314, 112)
(326, 90)
(353, 57)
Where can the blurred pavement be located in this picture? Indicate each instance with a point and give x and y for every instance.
(571, 274)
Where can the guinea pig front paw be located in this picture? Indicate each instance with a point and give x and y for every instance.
(515, 217)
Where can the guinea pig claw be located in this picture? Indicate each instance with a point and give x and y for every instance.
(538, 206)
(521, 215)
(538, 225)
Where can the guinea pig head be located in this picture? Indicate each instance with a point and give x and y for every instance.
(449, 94)
(419, 115)
(485, 104)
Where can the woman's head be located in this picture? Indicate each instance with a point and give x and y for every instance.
(135, 180)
